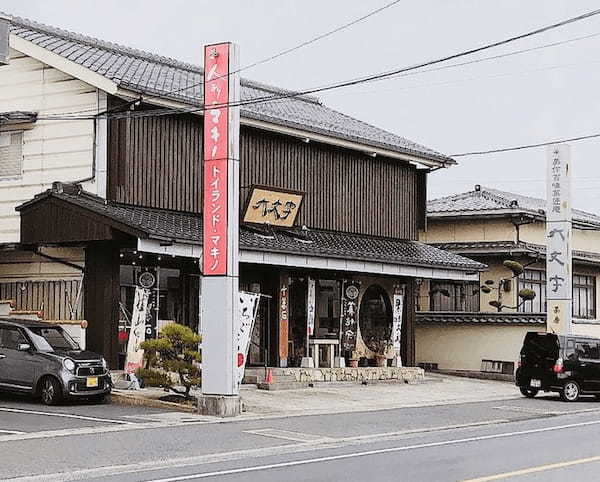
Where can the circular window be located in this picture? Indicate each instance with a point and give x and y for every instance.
(375, 317)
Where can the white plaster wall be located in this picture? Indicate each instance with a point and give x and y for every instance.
(52, 150)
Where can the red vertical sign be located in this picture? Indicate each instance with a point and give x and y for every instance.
(216, 153)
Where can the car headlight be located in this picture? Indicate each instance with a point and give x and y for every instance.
(104, 364)
(69, 364)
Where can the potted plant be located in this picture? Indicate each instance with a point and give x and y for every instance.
(353, 360)
(380, 347)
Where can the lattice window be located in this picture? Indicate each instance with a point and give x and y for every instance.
(11, 154)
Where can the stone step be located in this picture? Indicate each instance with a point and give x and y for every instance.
(283, 385)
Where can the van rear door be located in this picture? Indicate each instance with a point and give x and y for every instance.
(539, 354)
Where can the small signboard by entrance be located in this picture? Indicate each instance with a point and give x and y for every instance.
(277, 207)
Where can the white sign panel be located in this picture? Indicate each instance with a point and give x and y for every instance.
(248, 310)
(397, 327)
(558, 240)
(137, 332)
(310, 307)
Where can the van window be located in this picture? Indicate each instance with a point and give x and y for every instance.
(587, 350)
(570, 350)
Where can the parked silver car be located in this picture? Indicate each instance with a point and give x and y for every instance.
(43, 360)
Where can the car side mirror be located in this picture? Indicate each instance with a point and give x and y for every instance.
(24, 347)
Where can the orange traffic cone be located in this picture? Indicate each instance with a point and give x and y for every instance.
(269, 377)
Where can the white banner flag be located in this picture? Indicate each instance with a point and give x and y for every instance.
(248, 311)
(137, 332)
(397, 326)
(310, 307)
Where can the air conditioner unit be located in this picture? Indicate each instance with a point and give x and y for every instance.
(4, 34)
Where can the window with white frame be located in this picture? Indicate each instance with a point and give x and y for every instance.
(11, 154)
(534, 280)
(584, 296)
(454, 296)
(584, 293)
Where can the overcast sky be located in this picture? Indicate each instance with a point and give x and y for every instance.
(542, 95)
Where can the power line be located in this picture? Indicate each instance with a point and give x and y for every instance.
(373, 77)
(485, 59)
(297, 47)
(525, 146)
(424, 71)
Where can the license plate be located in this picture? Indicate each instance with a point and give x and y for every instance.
(536, 383)
(91, 382)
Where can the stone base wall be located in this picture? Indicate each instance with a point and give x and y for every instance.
(406, 374)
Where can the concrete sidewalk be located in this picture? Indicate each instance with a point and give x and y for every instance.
(325, 398)
(342, 397)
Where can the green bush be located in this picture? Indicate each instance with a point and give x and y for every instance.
(171, 359)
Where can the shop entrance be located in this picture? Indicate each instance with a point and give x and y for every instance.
(375, 318)
(324, 303)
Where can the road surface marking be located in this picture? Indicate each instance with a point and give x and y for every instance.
(380, 436)
(257, 468)
(533, 470)
(537, 411)
(288, 435)
(63, 415)
(13, 432)
(180, 462)
(541, 411)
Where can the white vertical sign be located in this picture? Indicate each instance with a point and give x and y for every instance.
(137, 332)
(558, 240)
(248, 310)
(397, 327)
(310, 307)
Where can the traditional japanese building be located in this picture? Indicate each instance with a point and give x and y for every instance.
(331, 206)
(457, 328)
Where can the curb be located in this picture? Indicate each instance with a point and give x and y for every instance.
(122, 399)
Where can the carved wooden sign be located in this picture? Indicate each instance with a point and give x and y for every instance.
(277, 207)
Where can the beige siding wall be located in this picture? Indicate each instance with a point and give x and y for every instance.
(52, 150)
(582, 240)
(449, 231)
(462, 347)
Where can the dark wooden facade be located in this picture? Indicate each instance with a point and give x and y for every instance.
(55, 298)
(156, 161)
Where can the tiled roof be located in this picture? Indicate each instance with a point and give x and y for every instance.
(187, 227)
(510, 247)
(509, 318)
(154, 75)
(354, 246)
(487, 200)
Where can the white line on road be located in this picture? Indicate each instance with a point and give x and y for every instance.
(63, 415)
(256, 468)
(12, 432)
(272, 451)
(288, 435)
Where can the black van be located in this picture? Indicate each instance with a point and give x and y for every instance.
(569, 365)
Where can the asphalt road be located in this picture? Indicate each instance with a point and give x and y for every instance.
(518, 439)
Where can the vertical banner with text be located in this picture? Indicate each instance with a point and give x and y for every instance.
(558, 240)
(216, 154)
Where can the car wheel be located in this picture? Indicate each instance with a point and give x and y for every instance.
(50, 391)
(529, 392)
(570, 392)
